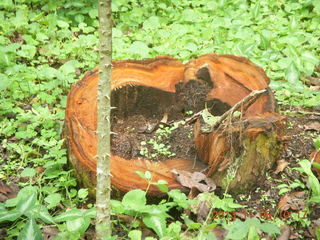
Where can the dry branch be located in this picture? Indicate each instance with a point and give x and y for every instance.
(251, 97)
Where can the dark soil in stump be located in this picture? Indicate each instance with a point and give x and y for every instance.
(149, 123)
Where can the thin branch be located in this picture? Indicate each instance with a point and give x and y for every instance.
(251, 97)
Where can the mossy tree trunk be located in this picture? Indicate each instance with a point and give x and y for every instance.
(103, 224)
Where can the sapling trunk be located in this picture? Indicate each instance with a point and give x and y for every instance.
(103, 224)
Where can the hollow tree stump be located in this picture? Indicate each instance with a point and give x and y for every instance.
(242, 149)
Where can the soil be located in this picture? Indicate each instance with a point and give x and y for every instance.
(265, 197)
(142, 113)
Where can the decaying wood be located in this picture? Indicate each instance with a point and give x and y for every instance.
(235, 107)
(252, 140)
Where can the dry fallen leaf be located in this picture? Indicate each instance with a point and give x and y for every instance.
(315, 125)
(294, 201)
(7, 191)
(281, 165)
(49, 233)
(220, 233)
(285, 233)
(196, 180)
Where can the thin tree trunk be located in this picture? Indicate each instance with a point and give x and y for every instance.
(103, 224)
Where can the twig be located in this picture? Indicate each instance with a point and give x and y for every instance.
(235, 107)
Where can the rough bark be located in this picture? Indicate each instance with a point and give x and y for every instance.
(103, 223)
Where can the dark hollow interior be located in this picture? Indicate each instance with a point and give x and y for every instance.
(138, 111)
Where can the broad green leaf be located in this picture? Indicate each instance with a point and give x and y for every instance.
(28, 172)
(82, 193)
(22, 195)
(157, 223)
(117, 207)
(292, 73)
(90, 213)
(151, 23)
(313, 181)
(238, 230)
(256, 10)
(4, 82)
(139, 48)
(134, 200)
(27, 51)
(135, 235)
(40, 212)
(69, 215)
(62, 24)
(31, 231)
(252, 234)
(162, 186)
(179, 198)
(53, 200)
(270, 228)
(27, 203)
(316, 165)
(11, 215)
(79, 225)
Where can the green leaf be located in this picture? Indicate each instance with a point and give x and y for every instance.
(22, 194)
(117, 207)
(179, 198)
(82, 193)
(135, 235)
(69, 215)
(40, 212)
(270, 228)
(27, 203)
(148, 175)
(313, 181)
(256, 10)
(79, 225)
(90, 213)
(28, 172)
(316, 165)
(31, 231)
(317, 144)
(208, 118)
(53, 200)
(292, 74)
(163, 186)
(27, 51)
(4, 82)
(151, 23)
(139, 48)
(134, 200)
(62, 24)
(11, 215)
(157, 223)
(252, 234)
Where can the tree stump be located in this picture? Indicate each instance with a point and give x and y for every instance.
(162, 90)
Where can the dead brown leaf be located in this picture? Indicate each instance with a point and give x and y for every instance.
(220, 233)
(49, 233)
(195, 180)
(294, 201)
(315, 125)
(285, 233)
(7, 191)
(281, 165)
